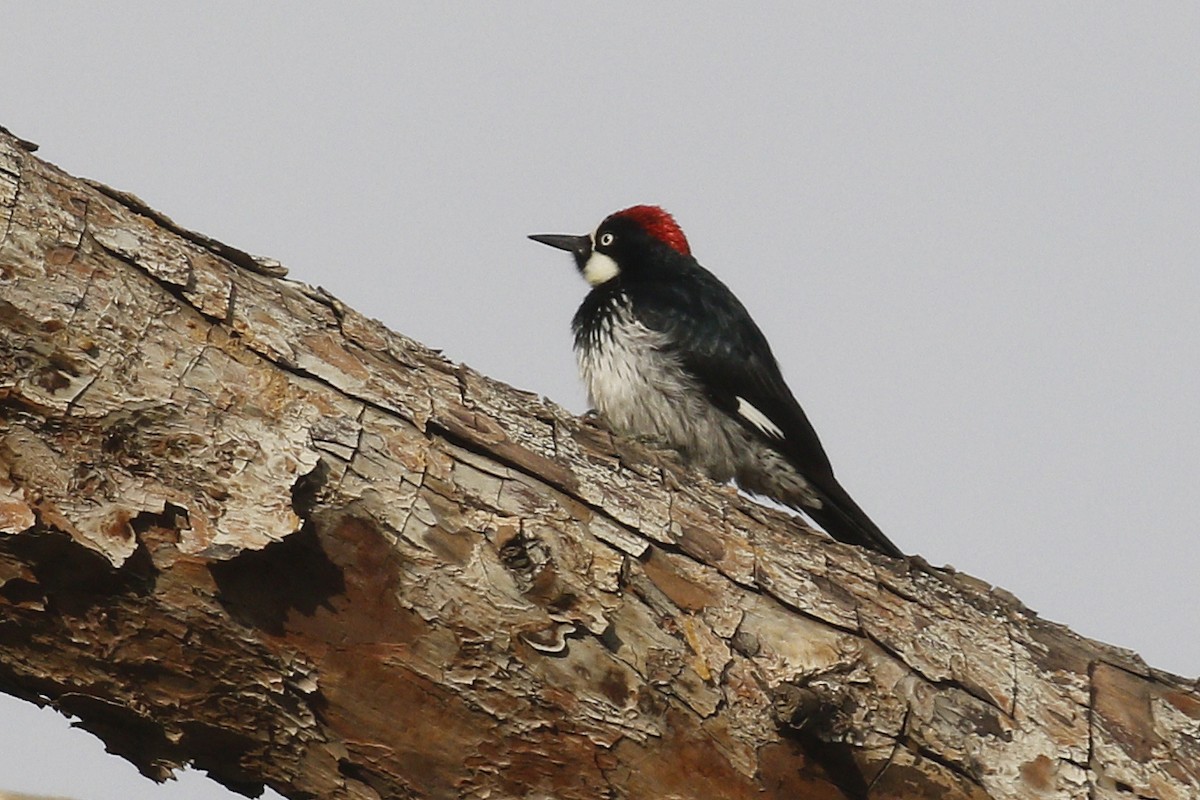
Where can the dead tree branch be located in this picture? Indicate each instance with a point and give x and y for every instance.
(241, 526)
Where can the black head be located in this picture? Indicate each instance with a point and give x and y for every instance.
(624, 243)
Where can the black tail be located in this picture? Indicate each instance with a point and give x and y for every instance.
(842, 519)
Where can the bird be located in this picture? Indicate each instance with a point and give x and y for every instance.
(671, 357)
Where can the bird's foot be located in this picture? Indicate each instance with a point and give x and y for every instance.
(646, 456)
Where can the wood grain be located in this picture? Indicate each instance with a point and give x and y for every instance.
(244, 527)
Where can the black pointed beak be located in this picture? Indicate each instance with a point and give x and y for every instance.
(564, 241)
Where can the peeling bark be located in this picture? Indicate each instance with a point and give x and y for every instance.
(243, 527)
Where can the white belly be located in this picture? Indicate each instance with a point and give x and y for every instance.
(642, 391)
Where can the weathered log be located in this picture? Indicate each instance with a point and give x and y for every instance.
(242, 526)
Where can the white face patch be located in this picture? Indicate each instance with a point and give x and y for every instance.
(600, 269)
(758, 419)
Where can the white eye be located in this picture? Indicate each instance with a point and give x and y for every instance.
(606, 239)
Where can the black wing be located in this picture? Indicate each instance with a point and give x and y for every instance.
(729, 356)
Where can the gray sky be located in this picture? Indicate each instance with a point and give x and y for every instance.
(971, 235)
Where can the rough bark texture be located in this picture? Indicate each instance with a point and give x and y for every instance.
(243, 526)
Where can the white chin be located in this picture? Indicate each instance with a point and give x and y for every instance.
(600, 269)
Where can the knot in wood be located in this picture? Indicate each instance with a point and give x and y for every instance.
(525, 557)
(820, 708)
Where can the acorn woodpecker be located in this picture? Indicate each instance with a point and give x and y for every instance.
(670, 355)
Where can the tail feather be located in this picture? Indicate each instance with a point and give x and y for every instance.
(842, 519)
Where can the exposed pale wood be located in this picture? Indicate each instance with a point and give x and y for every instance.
(243, 526)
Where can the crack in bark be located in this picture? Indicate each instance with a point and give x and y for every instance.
(357, 449)
(946, 683)
(81, 301)
(759, 588)
(905, 739)
(461, 379)
(16, 198)
(232, 254)
(84, 218)
(74, 401)
(945, 763)
(177, 291)
(1012, 663)
(897, 744)
(408, 512)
